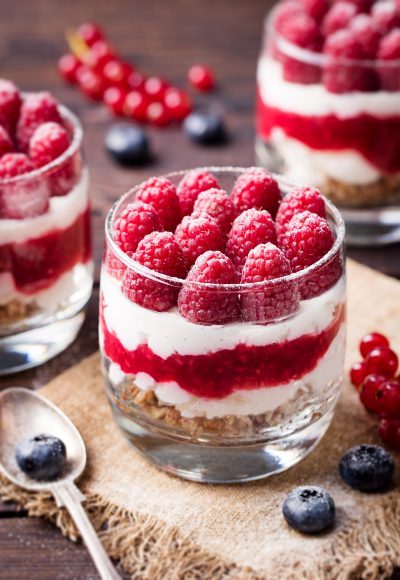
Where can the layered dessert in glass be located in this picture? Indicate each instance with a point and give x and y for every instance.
(45, 247)
(328, 87)
(222, 320)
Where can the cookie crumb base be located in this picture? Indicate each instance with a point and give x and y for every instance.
(379, 193)
(15, 311)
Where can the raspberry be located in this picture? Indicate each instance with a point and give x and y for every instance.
(24, 199)
(196, 235)
(250, 228)
(216, 203)
(386, 15)
(316, 8)
(159, 252)
(272, 302)
(136, 221)
(191, 185)
(371, 341)
(160, 193)
(298, 200)
(368, 34)
(362, 5)
(307, 239)
(389, 52)
(37, 108)
(256, 188)
(6, 145)
(113, 265)
(285, 11)
(210, 306)
(389, 431)
(338, 16)
(10, 103)
(343, 78)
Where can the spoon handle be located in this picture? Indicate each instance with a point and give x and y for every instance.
(68, 495)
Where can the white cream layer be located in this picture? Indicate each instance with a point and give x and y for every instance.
(315, 100)
(167, 333)
(244, 402)
(63, 211)
(58, 293)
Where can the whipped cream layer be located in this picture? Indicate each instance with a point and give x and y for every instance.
(314, 100)
(63, 211)
(167, 333)
(245, 402)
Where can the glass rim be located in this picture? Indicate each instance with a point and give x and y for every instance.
(74, 146)
(290, 278)
(318, 58)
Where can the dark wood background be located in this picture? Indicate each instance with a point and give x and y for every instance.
(159, 37)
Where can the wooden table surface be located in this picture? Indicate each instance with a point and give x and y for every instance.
(159, 37)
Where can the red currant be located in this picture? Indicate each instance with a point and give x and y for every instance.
(177, 103)
(201, 77)
(91, 83)
(358, 372)
(114, 99)
(136, 80)
(388, 399)
(68, 67)
(99, 55)
(382, 361)
(90, 33)
(155, 87)
(389, 430)
(368, 390)
(157, 114)
(135, 106)
(116, 72)
(371, 341)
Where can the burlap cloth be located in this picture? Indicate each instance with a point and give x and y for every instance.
(160, 527)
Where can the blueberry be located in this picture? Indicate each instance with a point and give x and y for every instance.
(367, 467)
(309, 509)
(127, 144)
(205, 127)
(42, 457)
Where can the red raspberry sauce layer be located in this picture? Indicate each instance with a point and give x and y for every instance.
(377, 139)
(217, 374)
(36, 264)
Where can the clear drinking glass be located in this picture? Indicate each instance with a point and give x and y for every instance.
(334, 124)
(226, 402)
(46, 268)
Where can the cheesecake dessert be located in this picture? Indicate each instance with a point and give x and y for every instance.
(328, 86)
(222, 305)
(45, 244)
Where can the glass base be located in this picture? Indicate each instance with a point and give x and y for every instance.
(377, 226)
(34, 347)
(222, 464)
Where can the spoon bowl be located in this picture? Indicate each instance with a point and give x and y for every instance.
(25, 414)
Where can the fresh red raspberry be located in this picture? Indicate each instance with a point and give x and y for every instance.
(389, 431)
(316, 8)
(285, 11)
(370, 341)
(36, 108)
(386, 15)
(135, 222)
(113, 265)
(345, 77)
(307, 239)
(368, 34)
(272, 302)
(160, 193)
(383, 361)
(358, 372)
(368, 392)
(298, 200)
(10, 103)
(251, 228)
(6, 145)
(197, 235)
(25, 199)
(191, 185)
(256, 188)
(389, 52)
(159, 252)
(388, 399)
(361, 5)
(210, 306)
(216, 203)
(338, 16)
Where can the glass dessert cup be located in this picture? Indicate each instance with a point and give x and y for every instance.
(227, 402)
(334, 125)
(46, 268)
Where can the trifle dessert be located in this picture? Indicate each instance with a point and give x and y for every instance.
(329, 98)
(45, 245)
(222, 320)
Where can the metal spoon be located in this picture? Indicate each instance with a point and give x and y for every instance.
(24, 414)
